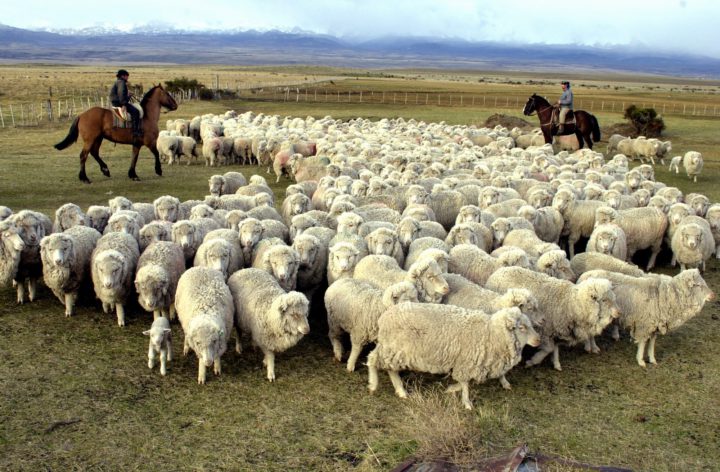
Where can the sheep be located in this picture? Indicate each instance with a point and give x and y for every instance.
(469, 295)
(693, 164)
(527, 240)
(579, 216)
(167, 208)
(419, 246)
(113, 266)
(588, 261)
(226, 184)
(470, 233)
(11, 248)
(342, 260)
(167, 147)
(693, 243)
(97, 217)
(644, 228)
(467, 344)
(504, 225)
(278, 259)
(265, 212)
(425, 274)
(66, 262)
(384, 241)
(472, 213)
(126, 221)
(204, 211)
(608, 239)
(573, 313)
(206, 312)
(410, 229)
(505, 209)
(313, 257)
(32, 226)
(67, 216)
(698, 202)
(145, 210)
(274, 319)
(119, 203)
(675, 164)
(212, 150)
(158, 270)
(476, 265)
(155, 231)
(295, 205)
(220, 250)
(546, 221)
(189, 234)
(655, 304)
(713, 218)
(160, 343)
(555, 264)
(242, 148)
(354, 307)
(5, 213)
(446, 205)
(187, 147)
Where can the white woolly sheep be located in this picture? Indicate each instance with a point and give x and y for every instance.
(160, 344)
(189, 234)
(384, 241)
(573, 313)
(546, 221)
(354, 307)
(675, 164)
(167, 147)
(655, 304)
(226, 184)
(579, 216)
(167, 208)
(693, 164)
(279, 260)
(476, 265)
(504, 225)
(220, 250)
(471, 233)
(113, 267)
(555, 264)
(342, 260)
(713, 218)
(5, 213)
(206, 311)
(11, 248)
(410, 229)
(527, 240)
(32, 226)
(212, 151)
(126, 221)
(67, 216)
(119, 203)
(588, 261)
(274, 319)
(444, 339)
(608, 239)
(419, 246)
(158, 271)
(644, 228)
(98, 217)
(692, 243)
(295, 205)
(157, 230)
(425, 274)
(187, 147)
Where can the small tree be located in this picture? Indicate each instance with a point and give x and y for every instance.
(645, 121)
(182, 84)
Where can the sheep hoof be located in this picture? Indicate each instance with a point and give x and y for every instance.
(558, 368)
(351, 368)
(641, 363)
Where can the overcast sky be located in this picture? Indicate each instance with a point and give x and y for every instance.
(691, 26)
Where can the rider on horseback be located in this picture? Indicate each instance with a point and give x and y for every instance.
(120, 97)
(565, 103)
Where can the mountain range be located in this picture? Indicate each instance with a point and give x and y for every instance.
(167, 45)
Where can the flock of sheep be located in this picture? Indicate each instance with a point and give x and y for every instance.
(439, 244)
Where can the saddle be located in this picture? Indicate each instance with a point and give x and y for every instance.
(569, 118)
(122, 119)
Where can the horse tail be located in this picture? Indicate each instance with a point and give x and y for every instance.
(71, 137)
(595, 129)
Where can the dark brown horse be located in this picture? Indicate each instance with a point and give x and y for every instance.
(585, 126)
(96, 124)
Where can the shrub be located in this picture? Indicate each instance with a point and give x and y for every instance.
(206, 94)
(183, 84)
(645, 121)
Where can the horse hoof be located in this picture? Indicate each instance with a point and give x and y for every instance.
(105, 171)
(83, 178)
(158, 171)
(136, 179)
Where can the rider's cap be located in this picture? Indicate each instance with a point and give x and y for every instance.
(122, 72)
(565, 82)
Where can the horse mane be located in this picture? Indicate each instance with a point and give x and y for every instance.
(147, 96)
(540, 99)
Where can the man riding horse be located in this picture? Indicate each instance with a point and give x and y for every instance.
(566, 104)
(120, 97)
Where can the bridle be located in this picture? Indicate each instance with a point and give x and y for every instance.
(538, 111)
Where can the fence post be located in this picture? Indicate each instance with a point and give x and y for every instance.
(473, 100)
(349, 98)
(2, 119)
(405, 98)
(360, 96)
(427, 97)
(12, 115)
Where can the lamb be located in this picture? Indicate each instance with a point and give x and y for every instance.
(158, 271)
(693, 164)
(655, 304)
(644, 228)
(220, 250)
(354, 307)
(66, 262)
(155, 231)
(113, 266)
(342, 260)
(189, 234)
(693, 243)
(278, 259)
(579, 216)
(467, 344)
(31, 226)
(573, 313)
(588, 261)
(675, 164)
(167, 208)
(555, 264)
(425, 275)
(226, 184)
(98, 217)
(67, 216)
(206, 311)
(384, 241)
(160, 344)
(546, 221)
(476, 265)
(608, 239)
(274, 319)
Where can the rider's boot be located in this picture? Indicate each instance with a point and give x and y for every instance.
(561, 128)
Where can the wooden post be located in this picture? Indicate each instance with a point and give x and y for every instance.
(360, 96)
(12, 116)
(461, 100)
(427, 97)
(349, 99)
(495, 102)
(405, 98)
(473, 100)
(2, 119)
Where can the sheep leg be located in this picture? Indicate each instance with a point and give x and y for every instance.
(151, 357)
(397, 383)
(591, 346)
(186, 347)
(238, 346)
(354, 354)
(653, 256)
(201, 372)
(163, 361)
(156, 314)
(32, 289)
(572, 239)
(540, 355)
(216, 366)
(107, 308)
(456, 387)
(269, 361)
(465, 395)
(556, 358)
(70, 304)
(337, 346)
(168, 347)
(21, 292)
(615, 332)
(505, 384)
(172, 312)
(120, 314)
(641, 352)
(372, 372)
(651, 349)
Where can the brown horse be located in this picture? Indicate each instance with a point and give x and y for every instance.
(96, 124)
(585, 127)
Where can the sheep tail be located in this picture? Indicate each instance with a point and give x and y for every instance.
(595, 129)
(71, 137)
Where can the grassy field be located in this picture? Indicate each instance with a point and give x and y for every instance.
(76, 394)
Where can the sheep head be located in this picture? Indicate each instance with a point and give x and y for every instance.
(152, 284)
(519, 325)
(282, 262)
(425, 274)
(292, 309)
(110, 267)
(598, 306)
(399, 293)
(57, 249)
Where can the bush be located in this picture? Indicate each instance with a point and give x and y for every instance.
(206, 94)
(183, 84)
(645, 121)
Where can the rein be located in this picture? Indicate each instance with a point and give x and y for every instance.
(538, 111)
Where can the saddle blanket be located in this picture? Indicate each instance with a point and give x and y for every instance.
(123, 119)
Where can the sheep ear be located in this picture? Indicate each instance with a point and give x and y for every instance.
(266, 263)
(510, 322)
(370, 240)
(146, 333)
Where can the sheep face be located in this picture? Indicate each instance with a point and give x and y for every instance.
(519, 325)
(612, 198)
(399, 293)
(692, 235)
(119, 203)
(98, 217)
(208, 342)
(263, 198)
(500, 228)
(428, 279)
(600, 307)
(468, 214)
(633, 179)
(250, 231)
(158, 337)
(349, 223)
(183, 233)
(153, 232)
(562, 200)
(217, 256)
(69, 215)
(57, 249)
(605, 241)
(152, 284)
(110, 267)
(282, 262)
(605, 215)
(555, 264)
(293, 309)
(120, 223)
(359, 189)
(408, 230)
(307, 248)
(344, 257)
(382, 242)
(201, 211)
(234, 218)
(677, 212)
(488, 197)
(167, 210)
(416, 195)
(695, 288)
(461, 234)
(299, 224)
(30, 229)
(10, 238)
(299, 204)
(700, 203)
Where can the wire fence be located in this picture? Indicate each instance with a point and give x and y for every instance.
(71, 103)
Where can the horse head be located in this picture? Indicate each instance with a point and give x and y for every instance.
(162, 97)
(530, 106)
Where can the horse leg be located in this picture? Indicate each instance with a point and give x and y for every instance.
(579, 136)
(83, 157)
(547, 135)
(131, 172)
(158, 165)
(588, 138)
(95, 152)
